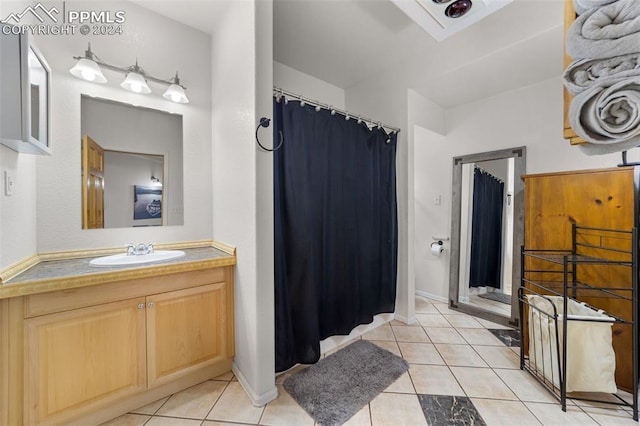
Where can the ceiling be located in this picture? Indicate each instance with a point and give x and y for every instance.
(345, 42)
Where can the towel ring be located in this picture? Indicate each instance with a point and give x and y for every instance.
(264, 122)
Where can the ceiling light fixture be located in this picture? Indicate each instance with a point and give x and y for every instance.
(89, 66)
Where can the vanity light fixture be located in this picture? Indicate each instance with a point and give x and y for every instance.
(88, 68)
(135, 81)
(156, 181)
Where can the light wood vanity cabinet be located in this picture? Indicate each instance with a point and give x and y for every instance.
(81, 359)
(93, 353)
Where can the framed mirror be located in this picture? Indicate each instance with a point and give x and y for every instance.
(131, 166)
(487, 230)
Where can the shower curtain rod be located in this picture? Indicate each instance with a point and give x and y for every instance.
(277, 91)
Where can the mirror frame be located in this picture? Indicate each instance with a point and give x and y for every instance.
(520, 160)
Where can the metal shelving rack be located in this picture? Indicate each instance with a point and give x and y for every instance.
(557, 273)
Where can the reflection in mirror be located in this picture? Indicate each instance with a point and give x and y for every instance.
(486, 232)
(131, 166)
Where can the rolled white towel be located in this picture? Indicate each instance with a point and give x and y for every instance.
(608, 117)
(582, 6)
(584, 73)
(604, 32)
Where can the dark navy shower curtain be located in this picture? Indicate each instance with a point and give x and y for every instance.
(486, 230)
(335, 228)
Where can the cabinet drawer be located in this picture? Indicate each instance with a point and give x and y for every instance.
(64, 300)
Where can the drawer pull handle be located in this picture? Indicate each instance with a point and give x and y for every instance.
(150, 304)
(140, 305)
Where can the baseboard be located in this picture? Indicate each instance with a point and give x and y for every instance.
(432, 296)
(257, 400)
(406, 320)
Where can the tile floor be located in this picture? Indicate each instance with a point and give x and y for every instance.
(451, 355)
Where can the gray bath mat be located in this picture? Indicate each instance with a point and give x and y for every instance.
(338, 386)
(497, 297)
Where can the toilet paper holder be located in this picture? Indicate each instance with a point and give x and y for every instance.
(440, 240)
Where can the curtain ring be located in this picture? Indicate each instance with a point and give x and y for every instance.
(264, 122)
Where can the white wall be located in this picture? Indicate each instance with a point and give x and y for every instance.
(17, 212)
(297, 82)
(530, 116)
(161, 46)
(243, 188)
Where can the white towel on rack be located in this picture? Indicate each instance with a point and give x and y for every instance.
(604, 32)
(585, 73)
(608, 117)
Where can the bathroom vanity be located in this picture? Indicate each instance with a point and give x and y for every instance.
(81, 344)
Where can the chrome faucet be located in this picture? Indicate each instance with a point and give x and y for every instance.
(140, 249)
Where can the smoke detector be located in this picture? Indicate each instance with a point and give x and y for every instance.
(443, 18)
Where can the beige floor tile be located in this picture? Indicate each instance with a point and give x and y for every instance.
(493, 325)
(361, 418)
(150, 408)
(460, 355)
(420, 353)
(285, 411)
(394, 409)
(445, 335)
(423, 306)
(434, 380)
(235, 406)
(463, 321)
(169, 421)
(382, 332)
(402, 385)
(226, 376)
(432, 320)
(281, 377)
(390, 346)
(498, 357)
(610, 416)
(443, 308)
(525, 386)
(214, 423)
(502, 413)
(128, 420)
(482, 383)
(410, 334)
(479, 336)
(194, 402)
(552, 415)
(396, 322)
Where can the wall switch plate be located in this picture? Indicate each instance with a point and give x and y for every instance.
(9, 183)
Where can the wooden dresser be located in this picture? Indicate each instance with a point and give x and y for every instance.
(604, 198)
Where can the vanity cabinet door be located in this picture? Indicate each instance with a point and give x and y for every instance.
(80, 360)
(186, 330)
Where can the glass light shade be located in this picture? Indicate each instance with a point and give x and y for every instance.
(135, 83)
(176, 93)
(87, 69)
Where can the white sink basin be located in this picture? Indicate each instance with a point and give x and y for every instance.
(124, 260)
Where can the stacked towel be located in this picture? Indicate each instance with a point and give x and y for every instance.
(584, 73)
(581, 6)
(605, 77)
(604, 32)
(608, 117)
